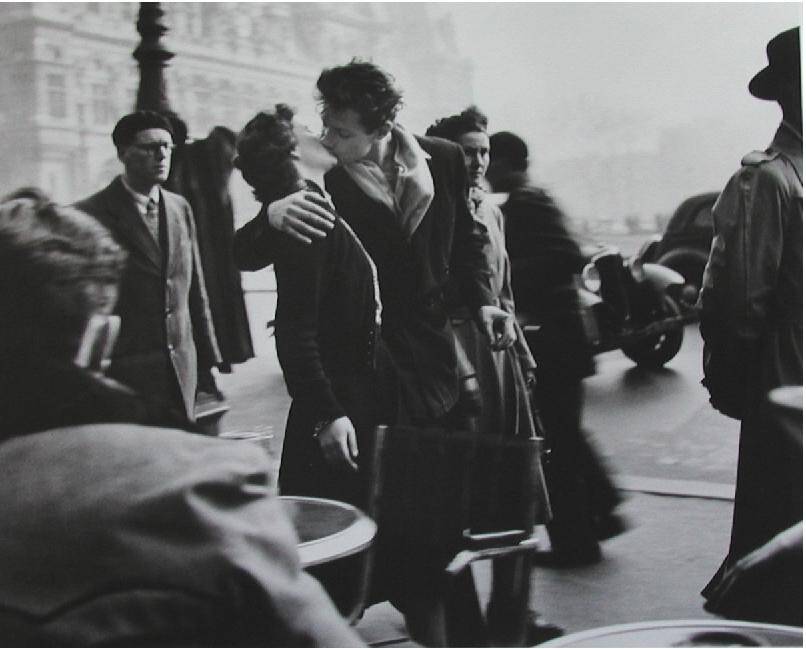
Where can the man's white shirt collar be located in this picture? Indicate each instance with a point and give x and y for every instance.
(142, 199)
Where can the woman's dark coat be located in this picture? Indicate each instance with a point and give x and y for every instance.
(329, 348)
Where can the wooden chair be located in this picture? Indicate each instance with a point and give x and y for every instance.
(445, 499)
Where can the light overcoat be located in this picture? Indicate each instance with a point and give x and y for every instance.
(127, 535)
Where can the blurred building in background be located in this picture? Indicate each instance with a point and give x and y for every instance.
(67, 73)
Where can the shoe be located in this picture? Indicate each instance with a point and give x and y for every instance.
(609, 525)
(538, 632)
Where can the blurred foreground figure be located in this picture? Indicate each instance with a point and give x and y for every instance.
(545, 259)
(752, 308)
(116, 532)
(166, 329)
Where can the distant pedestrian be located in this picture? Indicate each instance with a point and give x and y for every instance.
(502, 374)
(752, 308)
(545, 258)
(166, 329)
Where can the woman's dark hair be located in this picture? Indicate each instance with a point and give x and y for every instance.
(362, 87)
(470, 120)
(264, 154)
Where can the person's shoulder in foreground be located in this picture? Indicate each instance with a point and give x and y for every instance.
(121, 517)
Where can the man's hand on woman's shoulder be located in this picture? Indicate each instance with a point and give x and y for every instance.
(303, 215)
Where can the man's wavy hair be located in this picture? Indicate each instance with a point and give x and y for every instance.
(362, 87)
(470, 120)
(264, 157)
(57, 266)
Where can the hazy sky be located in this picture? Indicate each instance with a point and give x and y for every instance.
(590, 78)
(651, 64)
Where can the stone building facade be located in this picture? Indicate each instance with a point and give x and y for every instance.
(67, 73)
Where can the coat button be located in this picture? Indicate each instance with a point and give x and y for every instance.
(170, 347)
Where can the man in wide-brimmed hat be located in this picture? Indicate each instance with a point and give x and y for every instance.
(752, 308)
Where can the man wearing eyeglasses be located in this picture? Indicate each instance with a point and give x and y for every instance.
(166, 329)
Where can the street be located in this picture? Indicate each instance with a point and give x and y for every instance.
(659, 424)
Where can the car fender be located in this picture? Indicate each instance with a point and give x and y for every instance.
(661, 277)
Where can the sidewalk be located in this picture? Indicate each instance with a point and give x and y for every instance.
(654, 571)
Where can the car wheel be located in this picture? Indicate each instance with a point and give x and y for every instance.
(655, 351)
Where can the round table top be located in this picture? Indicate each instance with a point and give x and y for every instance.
(245, 435)
(327, 529)
(684, 633)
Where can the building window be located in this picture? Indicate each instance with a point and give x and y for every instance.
(204, 114)
(101, 108)
(57, 95)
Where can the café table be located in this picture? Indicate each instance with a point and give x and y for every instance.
(684, 633)
(335, 542)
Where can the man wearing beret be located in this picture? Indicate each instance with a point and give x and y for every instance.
(752, 308)
(166, 329)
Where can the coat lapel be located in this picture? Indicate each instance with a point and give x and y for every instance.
(126, 223)
(340, 184)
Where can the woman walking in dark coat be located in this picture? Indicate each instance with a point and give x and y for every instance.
(328, 314)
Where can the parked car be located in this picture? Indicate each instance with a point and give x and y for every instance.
(634, 306)
(686, 242)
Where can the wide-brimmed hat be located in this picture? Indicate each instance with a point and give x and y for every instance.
(783, 53)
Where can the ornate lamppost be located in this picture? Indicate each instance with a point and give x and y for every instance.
(153, 57)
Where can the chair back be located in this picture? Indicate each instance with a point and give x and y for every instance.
(435, 487)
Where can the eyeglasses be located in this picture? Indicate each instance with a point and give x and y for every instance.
(156, 147)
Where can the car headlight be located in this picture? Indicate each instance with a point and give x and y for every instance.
(591, 279)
